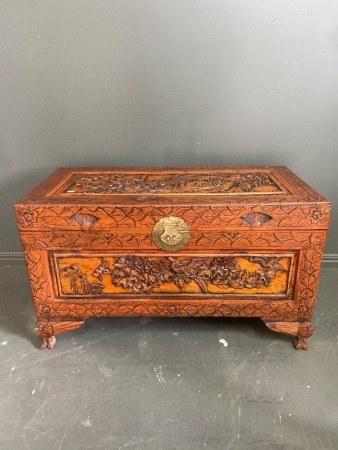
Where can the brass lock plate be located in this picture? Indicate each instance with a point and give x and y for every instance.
(171, 233)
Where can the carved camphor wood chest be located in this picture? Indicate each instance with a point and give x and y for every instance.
(191, 241)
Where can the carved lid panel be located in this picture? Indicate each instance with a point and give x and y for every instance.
(204, 197)
(201, 183)
(212, 185)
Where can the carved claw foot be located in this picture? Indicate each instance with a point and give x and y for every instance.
(46, 330)
(48, 343)
(300, 343)
(46, 333)
(305, 330)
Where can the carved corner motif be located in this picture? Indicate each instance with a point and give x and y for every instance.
(28, 216)
(44, 310)
(318, 213)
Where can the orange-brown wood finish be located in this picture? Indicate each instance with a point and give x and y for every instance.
(197, 241)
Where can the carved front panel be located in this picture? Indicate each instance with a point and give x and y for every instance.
(97, 275)
(172, 184)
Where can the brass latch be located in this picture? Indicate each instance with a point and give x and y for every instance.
(171, 233)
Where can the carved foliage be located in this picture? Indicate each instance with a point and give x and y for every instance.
(267, 262)
(139, 274)
(222, 182)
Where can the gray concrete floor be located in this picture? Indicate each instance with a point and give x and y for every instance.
(147, 383)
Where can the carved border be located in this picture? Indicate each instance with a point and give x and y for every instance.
(36, 217)
(281, 311)
(41, 285)
(308, 278)
(199, 240)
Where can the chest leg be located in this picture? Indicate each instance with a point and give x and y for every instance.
(301, 331)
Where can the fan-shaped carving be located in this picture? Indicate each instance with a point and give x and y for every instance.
(256, 218)
(84, 220)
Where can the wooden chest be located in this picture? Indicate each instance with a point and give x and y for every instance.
(191, 241)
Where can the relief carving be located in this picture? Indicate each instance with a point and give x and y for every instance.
(266, 262)
(318, 214)
(199, 183)
(59, 240)
(138, 274)
(79, 281)
(38, 276)
(55, 226)
(256, 218)
(46, 332)
(29, 216)
(84, 220)
(115, 217)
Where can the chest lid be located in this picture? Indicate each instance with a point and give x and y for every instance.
(138, 197)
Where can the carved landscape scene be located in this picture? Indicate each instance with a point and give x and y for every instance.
(98, 275)
(181, 184)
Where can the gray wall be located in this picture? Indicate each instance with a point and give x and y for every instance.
(166, 82)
